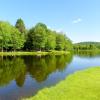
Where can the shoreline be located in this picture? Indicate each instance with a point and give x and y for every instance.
(22, 53)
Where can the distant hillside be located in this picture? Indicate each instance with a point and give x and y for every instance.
(87, 45)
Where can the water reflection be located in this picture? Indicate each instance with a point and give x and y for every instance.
(90, 54)
(24, 76)
(10, 69)
(39, 68)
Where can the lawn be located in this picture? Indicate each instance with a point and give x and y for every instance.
(82, 85)
(34, 53)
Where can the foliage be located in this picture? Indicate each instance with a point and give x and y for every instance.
(83, 85)
(87, 46)
(10, 37)
(51, 40)
(18, 39)
(38, 38)
(60, 41)
(20, 25)
(42, 38)
(68, 44)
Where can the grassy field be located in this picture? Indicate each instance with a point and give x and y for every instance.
(34, 53)
(82, 85)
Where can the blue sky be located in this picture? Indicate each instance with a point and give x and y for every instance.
(80, 19)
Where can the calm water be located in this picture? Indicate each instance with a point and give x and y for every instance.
(24, 76)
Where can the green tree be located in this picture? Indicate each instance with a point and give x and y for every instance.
(20, 25)
(68, 43)
(37, 37)
(51, 40)
(60, 41)
(5, 33)
(10, 37)
(17, 39)
(29, 41)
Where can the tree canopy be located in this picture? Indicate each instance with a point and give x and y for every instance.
(42, 38)
(87, 46)
(38, 38)
(10, 37)
(20, 25)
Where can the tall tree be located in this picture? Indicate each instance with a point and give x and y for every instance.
(10, 37)
(5, 32)
(60, 41)
(20, 25)
(68, 43)
(17, 39)
(37, 36)
(51, 40)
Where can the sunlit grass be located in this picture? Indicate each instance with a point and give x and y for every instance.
(35, 53)
(82, 85)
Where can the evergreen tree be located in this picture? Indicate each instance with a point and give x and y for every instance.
(20, 25)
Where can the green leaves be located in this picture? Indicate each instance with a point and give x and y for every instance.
(60, 41)
(20, 25)
(51, 40)
(10, 37)
(38, 38)
(42, 38)
(87, 46)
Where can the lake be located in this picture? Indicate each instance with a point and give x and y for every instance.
(24, 76)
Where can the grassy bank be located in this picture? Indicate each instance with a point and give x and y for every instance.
(34, 53)
(82, 85)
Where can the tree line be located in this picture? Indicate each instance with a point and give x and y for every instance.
(87, 46)
(37, 38)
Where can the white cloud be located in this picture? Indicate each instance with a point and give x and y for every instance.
(77, 21)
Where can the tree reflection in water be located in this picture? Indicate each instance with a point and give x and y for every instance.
(38, 67)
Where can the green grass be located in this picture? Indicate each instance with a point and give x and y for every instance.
(82, 85)
(34, 53)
